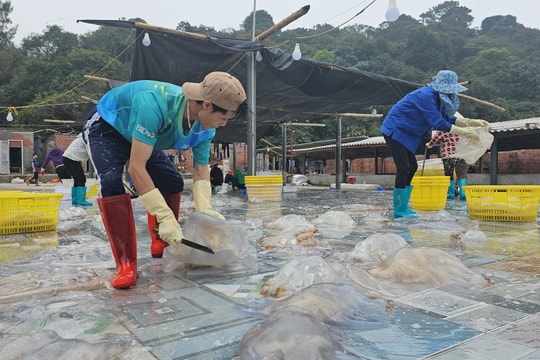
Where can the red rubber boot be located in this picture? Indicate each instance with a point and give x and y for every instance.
(117, 215)
(158, 245)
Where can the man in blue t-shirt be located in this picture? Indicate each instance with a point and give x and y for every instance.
(135, 122)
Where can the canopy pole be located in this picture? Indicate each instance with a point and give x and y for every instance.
(252, 103)
(284, 152)
(338, 153)
(252, 85)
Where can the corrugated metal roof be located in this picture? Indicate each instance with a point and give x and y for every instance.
(377, 141)
(515, 125)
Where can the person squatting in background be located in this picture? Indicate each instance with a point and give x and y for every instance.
(135, 122)
(35, 172)
(448, 146)
(72, 158)
(408, 122)
(55, 155)
(231, 179)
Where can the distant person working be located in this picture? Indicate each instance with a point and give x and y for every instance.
(231, 179)
(72, 158)
(448, 143)
(55, 155)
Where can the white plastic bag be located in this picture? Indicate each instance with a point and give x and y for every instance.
(430, 167)
(228, 240)
(471, 150)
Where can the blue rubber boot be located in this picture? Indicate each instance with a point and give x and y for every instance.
(401, 204)
(461, 184)
(409, 191)
(74, 200)
(80, 196)
(451, 190)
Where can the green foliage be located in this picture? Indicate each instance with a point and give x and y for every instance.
(52, 43)
(263, 21)
(7, 32)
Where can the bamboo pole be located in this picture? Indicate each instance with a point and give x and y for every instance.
(59, 121)
(171, 31)
(280, 25)
(305, 124)
(481, 102)
(476, 100)
(96, 78)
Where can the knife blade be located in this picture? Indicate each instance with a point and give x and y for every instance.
(193, 245)
(197, 246)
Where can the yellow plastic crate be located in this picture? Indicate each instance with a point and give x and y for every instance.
(503, 202)
(267, 192)
(264, 179)
(92, 191)
(429, 192)
(23, 212)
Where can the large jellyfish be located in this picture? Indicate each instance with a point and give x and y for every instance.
(289, 333)
(300, 273)
(47, 344)
(334, 224)
(429, 266)
(338, 305)
(378, 247)
(294, 230)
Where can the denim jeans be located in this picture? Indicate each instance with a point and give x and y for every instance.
(109, 152)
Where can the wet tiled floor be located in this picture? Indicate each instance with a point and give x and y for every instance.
(57, 281)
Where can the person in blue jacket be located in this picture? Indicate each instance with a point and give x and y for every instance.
(134, 123)
(408, 122)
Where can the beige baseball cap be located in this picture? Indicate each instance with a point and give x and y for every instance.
(219, 88)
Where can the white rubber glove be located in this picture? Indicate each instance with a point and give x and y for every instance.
(169, 228)
(428, 145)
(464, 122)
(202, 196)
(468, 132)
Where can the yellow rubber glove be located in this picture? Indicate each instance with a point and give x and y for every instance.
(464, 122)
(169, 228)
(202, 196)
(468, 132)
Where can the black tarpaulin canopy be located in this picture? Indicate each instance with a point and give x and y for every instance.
(286, 90)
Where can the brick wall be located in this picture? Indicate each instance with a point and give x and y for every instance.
(515, 162)
(510, 162)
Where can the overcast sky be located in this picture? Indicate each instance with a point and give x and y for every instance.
(33, 16)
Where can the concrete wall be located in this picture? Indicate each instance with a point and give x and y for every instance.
(21, 148)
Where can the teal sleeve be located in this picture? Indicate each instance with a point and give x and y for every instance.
(201, 152)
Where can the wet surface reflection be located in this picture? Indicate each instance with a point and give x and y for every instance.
(54, 285)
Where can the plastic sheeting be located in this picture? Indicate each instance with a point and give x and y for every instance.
(287, 90)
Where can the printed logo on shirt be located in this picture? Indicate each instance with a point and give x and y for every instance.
(140, 129)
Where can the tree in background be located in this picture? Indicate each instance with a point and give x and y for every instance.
(7, 32)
